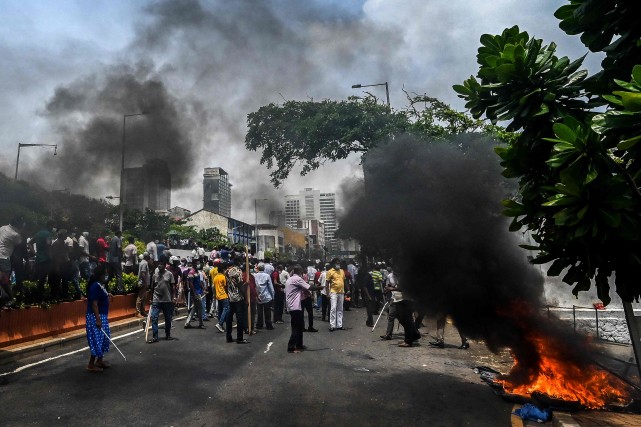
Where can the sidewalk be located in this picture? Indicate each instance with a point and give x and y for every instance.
(15, 353)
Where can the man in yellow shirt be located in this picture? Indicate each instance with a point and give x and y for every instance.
(220, 286)
(335, 280)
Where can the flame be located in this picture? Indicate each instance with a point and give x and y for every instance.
(569, 380)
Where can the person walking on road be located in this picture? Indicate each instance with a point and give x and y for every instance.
(222, 298)
(196, 287)
(164, 290)
(97, 320)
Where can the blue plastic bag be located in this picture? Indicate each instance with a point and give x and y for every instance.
(532, 413)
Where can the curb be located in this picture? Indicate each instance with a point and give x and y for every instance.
(15, 353)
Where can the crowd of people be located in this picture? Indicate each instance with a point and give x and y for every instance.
(227, 287)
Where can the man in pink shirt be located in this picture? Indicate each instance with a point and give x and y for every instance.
(295, 287)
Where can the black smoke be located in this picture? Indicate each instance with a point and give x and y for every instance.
(88, 118)
(434, 209)
(201, 67)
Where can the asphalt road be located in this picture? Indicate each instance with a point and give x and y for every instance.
(345, 378)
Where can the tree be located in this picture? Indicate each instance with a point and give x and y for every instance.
(310, 133)
(578, 167)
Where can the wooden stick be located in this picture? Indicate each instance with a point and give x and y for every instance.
(249, 301)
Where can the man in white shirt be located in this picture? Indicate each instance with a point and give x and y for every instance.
(9, 238)
(131, 256)
(152, 251)
(83, 243)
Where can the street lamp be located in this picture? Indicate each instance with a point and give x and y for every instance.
(122, 166)
(256, 225)
(20, 145)
(358, 86)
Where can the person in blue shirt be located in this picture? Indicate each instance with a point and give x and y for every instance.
(97, 322)
(197, 290)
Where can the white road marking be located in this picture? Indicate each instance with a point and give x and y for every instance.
(40, 362)
(268, 346)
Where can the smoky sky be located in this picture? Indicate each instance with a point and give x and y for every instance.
(434, 209)
(207, 64)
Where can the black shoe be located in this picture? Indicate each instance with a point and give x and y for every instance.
(170, 338)
(465, 346)
(386, 337)
(331, 329)
(312, 330)
(437, 343)
(230, 340)
(188, 326)
(242, 342)
(341, 328)
(369, 325)
(302, 348)
(152, 341)
(269, 328)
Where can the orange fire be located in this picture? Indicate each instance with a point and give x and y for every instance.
(569, 380)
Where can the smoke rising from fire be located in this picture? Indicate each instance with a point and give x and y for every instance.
(199, 68)
(434, 208)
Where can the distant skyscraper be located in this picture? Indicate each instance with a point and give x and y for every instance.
(312, 204)
(217, 191)
(148, 186)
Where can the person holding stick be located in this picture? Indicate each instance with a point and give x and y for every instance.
(97, 320)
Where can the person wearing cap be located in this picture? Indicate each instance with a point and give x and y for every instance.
(143, 285)
(163, 300)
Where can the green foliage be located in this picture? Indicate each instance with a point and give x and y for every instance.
(129, 283)
(578, 169)
(310, 133)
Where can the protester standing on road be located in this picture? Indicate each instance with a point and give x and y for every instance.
(336, 279)
(164, 297)
(265, 290)
(236, 293)
(294, 289)
(279, 294)
(143, 285)
(97, 320)
(366, 285)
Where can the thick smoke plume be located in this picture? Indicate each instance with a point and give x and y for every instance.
(88, 118)
(200, 68)
(434, 208)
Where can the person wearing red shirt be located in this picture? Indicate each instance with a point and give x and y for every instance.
(102, 248)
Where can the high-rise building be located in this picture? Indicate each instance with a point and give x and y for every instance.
(148, 186)
(311, 204)
(217, 191)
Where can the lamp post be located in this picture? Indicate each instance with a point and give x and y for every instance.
(122, 166)
(256, 225)
(20, 145)
(358, 86)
